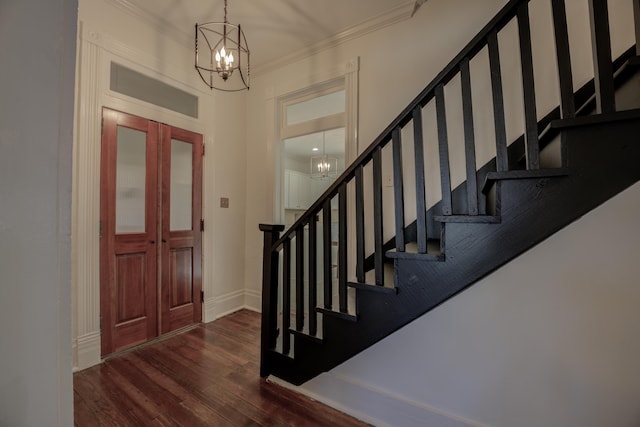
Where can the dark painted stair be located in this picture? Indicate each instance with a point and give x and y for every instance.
(503, 209)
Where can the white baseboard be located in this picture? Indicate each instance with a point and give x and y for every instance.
(253, 300)
(217, 307)
(87, 351)
(373, 405)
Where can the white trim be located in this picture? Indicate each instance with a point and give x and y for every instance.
(253, 300)
(156, 22)
(86, 203)
(344, 75)
(390, 17)
(223, 305)
(88, 351)
(374, 405)
(95, 52)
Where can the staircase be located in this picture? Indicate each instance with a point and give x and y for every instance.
(320, 308)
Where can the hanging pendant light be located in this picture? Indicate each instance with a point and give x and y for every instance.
(224, 61)
(324, 166)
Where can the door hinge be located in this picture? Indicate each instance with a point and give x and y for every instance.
(101, 324)
(203, 149)
(202, 225)
(100, 229)
(202, 296)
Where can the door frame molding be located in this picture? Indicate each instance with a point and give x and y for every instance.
(94, 56)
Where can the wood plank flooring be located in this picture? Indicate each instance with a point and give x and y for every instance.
(207, 376)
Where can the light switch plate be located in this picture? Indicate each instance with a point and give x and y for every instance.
(224, 202)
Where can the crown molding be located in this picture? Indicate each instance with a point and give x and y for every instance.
(164, 26)
(390, 17)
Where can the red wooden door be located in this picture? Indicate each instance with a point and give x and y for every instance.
(181, 303)
(150, 264)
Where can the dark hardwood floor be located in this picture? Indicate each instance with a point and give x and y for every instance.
(207, 376)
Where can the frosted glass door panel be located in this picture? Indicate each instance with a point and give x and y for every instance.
(131, 171)
(181, 185)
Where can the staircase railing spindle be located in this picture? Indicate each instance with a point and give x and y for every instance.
(528, 89)
(300, 279)
(342, 248)
(313, 276)
(377, 217)
(567, 101)
(469, 138)
(443, 149)
(286, 296)
(398, 189)
(360, 246)
(327, 259)
(602, 63)
(502, 158)
(421, 204)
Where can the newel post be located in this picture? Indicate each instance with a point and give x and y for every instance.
(269, 326)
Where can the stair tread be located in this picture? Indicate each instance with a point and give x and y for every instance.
(373, 288)
(305, 335)
(596, 119)
(339, 314)
(522, 174)
(414, 255)
(485, 219)
(434, 252)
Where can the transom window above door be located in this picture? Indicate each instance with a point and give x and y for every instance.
(312, 135)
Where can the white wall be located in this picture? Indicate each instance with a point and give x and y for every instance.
(37, 53)
(551, 339)
(117, 31)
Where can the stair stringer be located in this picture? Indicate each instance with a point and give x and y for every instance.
(602, 159)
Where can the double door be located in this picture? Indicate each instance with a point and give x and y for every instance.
(150, 230)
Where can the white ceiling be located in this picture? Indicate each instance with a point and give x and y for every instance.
(275, 28)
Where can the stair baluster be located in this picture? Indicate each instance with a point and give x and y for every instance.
(567, 101)
(529, 93)
(342, 248)
(602, 65)
(469, 139)
(360, 254)
(313, 275)
(421, 204)
(502, 156)
(377, 217)
(300, 279)
(398, 189)
(443, 147)
(327, 259)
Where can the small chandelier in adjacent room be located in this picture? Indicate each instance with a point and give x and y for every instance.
(223, 62)
(324, 166)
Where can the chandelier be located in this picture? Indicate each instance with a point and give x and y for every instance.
(223, 61)
(324, 166)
